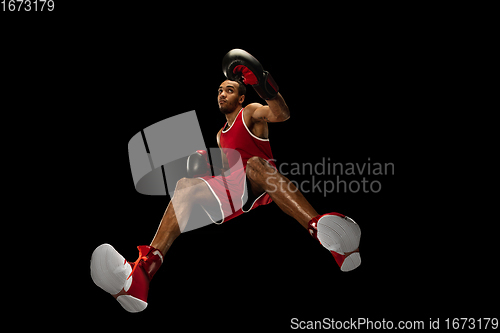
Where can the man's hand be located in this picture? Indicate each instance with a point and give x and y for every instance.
(198, 165)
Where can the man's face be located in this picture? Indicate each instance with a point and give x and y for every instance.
(228, 97)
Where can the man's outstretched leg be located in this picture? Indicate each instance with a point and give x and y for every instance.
(337, 233)
(128, 282)
(188, 192)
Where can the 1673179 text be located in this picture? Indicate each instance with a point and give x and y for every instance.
(27, 5)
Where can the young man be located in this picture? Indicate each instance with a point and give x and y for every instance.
(249, 179)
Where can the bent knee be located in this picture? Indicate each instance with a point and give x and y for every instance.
(192, 189)
(255, 164)
(185, 183)
(257, 167)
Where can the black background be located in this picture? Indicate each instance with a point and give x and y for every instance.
(356, 89)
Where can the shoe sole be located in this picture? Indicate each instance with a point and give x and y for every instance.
(341, 235)
(109, 271)
(131, 304)
(351, 262)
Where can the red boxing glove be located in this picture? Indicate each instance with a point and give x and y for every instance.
(198, 165)
(248, 76)
(237, 63)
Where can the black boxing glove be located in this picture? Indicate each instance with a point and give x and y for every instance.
(239, 63)
(198, 165)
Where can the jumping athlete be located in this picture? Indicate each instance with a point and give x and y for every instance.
(235, 191)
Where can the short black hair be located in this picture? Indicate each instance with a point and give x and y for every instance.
(242, 90)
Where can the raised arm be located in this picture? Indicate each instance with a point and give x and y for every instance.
(275, 111)
(239, 63)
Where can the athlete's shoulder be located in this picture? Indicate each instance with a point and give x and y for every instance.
(218, 136)
(250, 108)
(256, 127)
(249, 113)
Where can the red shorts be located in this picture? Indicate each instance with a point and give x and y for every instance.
(233, 194)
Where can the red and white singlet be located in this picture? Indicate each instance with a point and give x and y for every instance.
(231, 190)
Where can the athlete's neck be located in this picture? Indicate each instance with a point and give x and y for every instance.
(230, 117)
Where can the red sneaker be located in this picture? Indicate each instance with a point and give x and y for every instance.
(127, 282)
(340, 235)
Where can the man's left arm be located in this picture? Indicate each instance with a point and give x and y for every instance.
(275, 111)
